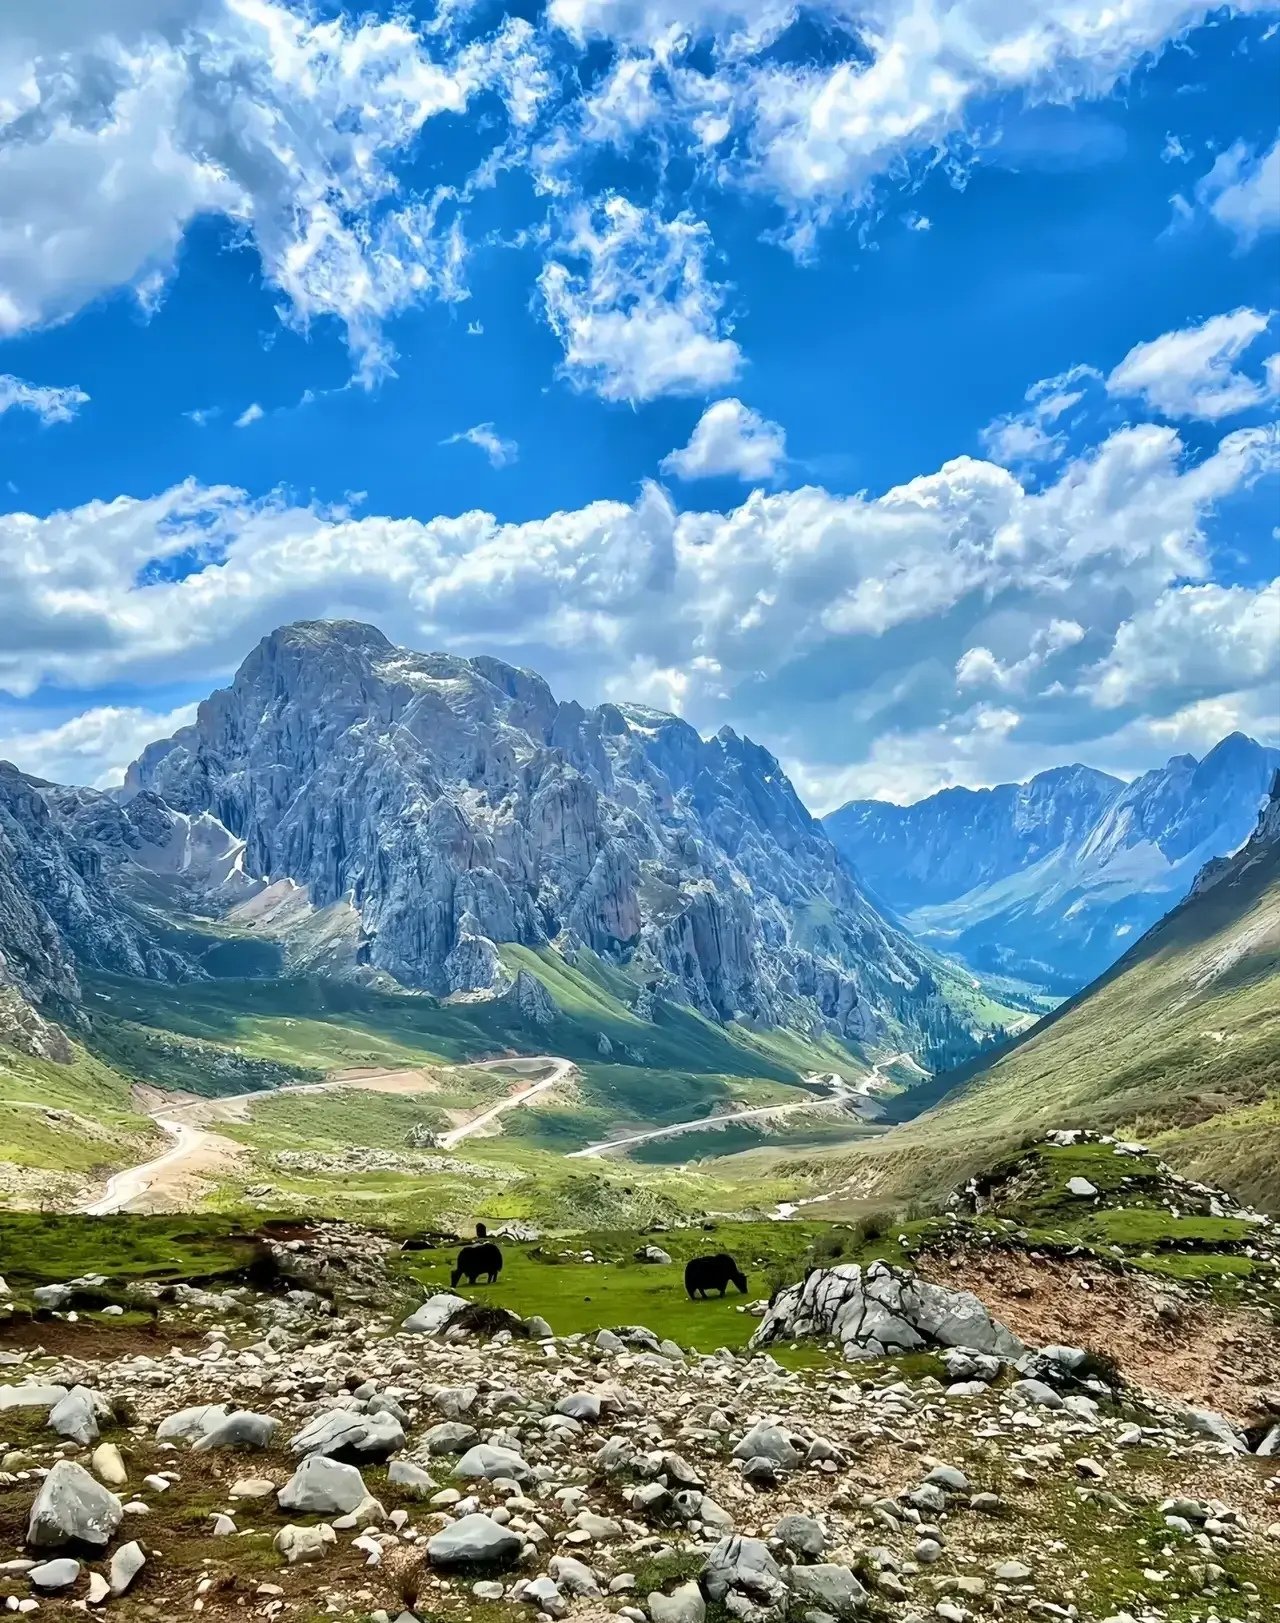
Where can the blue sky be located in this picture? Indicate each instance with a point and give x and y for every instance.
(894, 380)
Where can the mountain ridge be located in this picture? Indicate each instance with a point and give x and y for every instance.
(1048, 881)
(409, 815)
(1177, 1043)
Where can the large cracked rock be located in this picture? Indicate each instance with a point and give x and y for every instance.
(877, 1311)
(72, 1509)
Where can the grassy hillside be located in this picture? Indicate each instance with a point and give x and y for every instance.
(255, 1032)
(63, 1126)
(1179, 1045)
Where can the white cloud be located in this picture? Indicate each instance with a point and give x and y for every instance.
(1241, 192)
(1191, 641)
(729, 438)
(485, 438)
(92, 748)
(1191, 372)
(830, 626)
(1174, 151)
(740, 24)
(822, 137)
(250, 415)
(978, 667)
(639, 317)
(1029, 436)
(50, 405)
(626, 102)
(119, 128)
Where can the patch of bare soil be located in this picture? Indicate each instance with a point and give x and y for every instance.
(181, 1185)
(407, 1080)
(1195, 1352)
(144, 1098)
(90, 1338)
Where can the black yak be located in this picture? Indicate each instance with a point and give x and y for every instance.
(477, 1260)
(703, 1274)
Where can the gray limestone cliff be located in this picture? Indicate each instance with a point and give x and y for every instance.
(456, 805)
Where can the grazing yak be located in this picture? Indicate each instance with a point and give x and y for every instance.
(476, 1260)
(703, 1274)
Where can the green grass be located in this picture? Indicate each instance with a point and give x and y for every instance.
(1178, 1045)
(798, 1131)
(573, 1296)
(67, 1119)
(42, 1249)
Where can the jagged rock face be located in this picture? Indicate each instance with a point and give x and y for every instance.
(1054, 879)
(455, 803)
(59, 852)
(1263, 843)
(878, 1311)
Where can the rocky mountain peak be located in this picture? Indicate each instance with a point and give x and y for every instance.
(456, 804)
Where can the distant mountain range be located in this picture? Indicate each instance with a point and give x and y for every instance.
(1178, 1044)
(1050, 881)
(386, 813)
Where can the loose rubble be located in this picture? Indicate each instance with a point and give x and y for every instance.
(350, 1466)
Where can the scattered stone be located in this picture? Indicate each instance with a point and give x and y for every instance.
(127, 1562)
(242, 1430)
(322, 1486)
(491, 1463)
(801, 1535)
(834, 1589)
(71, 1508)
(683, 1605)
(410, 1478)
(353, 1437)
(475, 1540)
(108, 1465)
(59, 1574)
(305, 1544)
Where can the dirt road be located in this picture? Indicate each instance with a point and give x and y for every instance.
(129, 1185)
(840, 1093)
(188, 1124)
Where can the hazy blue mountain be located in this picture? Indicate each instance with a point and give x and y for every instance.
(1053, 879)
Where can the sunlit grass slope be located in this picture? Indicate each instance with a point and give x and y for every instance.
(1178, 1045)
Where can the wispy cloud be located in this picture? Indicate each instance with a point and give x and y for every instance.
(485, 437)
(50, 405)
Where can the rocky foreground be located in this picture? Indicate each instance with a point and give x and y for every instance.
(285, 1460)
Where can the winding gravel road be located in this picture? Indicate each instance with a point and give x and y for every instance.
(192, 1139)
(841, 1093)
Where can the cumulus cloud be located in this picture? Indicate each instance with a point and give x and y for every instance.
(729, 438)
(638, 315)
(978, 667)
(250, 415)
(1191, 372)
(1241, 192)
(91, 748)
(1193, 641)
(50, 405)
(486, 438)
(826, 624)
(121, 121)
